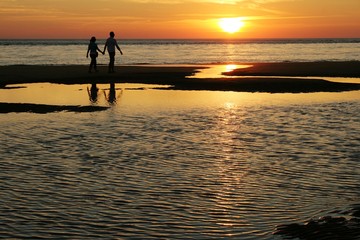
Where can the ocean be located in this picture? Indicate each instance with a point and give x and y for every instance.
(166, 164)
(73, 52)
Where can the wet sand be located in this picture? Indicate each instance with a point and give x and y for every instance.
(79, 74)
(44, 108)
(177, 76)
(301, 69)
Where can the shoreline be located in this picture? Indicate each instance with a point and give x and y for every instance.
(259, 77)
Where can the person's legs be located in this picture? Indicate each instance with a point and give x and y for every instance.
(91, 64)
(94, 60)
(112, 61)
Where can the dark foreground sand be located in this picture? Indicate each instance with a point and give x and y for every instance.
(44, 108)
(345, 226)
(176, 76)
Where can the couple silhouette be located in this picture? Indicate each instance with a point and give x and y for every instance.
(110, 45)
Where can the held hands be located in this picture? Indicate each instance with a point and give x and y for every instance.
(103, 53)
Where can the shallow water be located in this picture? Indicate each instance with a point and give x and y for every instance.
(163, 164)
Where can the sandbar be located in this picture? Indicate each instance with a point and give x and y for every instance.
(301, 69)
(281, 77)
(44, 108)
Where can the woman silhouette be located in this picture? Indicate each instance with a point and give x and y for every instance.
(93, 48)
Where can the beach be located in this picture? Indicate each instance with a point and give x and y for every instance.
(173, 164)
(223, 120)
(295, 77)
(179, 76)
(241, 155)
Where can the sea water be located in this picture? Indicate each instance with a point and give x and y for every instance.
(73, 52)
(164, 164)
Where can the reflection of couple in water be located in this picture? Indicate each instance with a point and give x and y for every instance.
(93, 93)
(110, 96)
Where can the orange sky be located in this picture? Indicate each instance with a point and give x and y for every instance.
(178, 18)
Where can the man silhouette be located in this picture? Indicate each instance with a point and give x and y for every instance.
(110, 44)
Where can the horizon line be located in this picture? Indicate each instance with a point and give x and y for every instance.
(272, 38)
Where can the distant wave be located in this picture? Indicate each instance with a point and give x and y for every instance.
(181, 51)
(61, 42)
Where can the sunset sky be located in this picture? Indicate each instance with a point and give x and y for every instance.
(178, 18)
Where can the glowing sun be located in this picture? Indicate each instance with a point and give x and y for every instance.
(231, 25)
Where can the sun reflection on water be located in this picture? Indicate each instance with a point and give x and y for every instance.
(231, 167)
(231, 67)
(216, 71)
